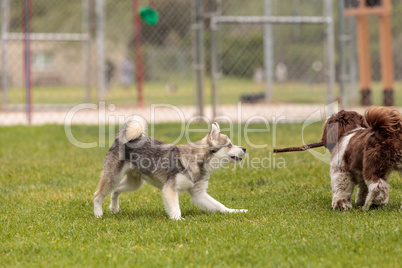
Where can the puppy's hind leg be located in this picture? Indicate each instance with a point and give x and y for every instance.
(109, 180)
(131, 182)
(342, 190)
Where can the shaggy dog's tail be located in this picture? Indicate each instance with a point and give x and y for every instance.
(383, 120)
(135, 127)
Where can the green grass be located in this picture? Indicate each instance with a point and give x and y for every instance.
(46, 211)
(229, 91)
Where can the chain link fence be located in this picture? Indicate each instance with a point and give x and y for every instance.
(63, 53)
(166, 52)
(298, 64)
(55, 51)
(64, 67)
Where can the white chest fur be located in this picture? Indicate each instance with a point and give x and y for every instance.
(183, 182)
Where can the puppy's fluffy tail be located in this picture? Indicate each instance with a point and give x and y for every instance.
(135, 127)
(383, 120)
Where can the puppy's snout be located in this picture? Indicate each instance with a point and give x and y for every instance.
(244, 149)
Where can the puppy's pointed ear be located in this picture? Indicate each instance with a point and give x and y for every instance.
(214, 132)
(217, 125)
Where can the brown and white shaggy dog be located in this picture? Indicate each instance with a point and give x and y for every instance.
(364, 151)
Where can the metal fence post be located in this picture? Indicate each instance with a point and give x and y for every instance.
(26, 30)
(330, 50)
(100, 49)
(138, 53)
(353, 68)
(268, 52)
(213, 68)
(5, 28)
(214, 53)
(342, 39)
(86, 49)
(198, 59)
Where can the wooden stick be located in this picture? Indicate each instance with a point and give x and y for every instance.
(301, 148)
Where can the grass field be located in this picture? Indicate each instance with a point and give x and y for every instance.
(229, 92)
(46, 211)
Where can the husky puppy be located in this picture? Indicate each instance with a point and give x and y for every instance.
(135, 158)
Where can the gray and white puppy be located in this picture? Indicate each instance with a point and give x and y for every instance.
(135, 158)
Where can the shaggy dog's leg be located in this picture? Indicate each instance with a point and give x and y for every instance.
(342, 190)
(361, 195)
(204, 201)
(131, 182)
(171, 201)
(377, 194)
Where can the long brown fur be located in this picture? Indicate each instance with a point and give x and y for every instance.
(366, 156)
(384, 120)
(338, 124)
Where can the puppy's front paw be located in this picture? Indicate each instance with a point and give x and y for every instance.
(241, 210)
(235, 210)
(98, 208)
(177, 218)
(98, 215)
(98, 212)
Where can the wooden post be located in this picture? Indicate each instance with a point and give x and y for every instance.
(363, 43)
(383, 10)
(387, 64)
